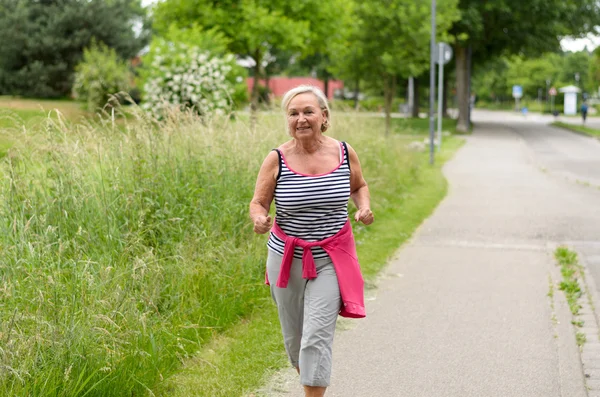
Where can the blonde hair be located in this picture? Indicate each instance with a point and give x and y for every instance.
(321, 98)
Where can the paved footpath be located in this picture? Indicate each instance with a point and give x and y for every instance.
(463, 310)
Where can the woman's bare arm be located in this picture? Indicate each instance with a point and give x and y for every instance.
(263, 194)
(359, 190)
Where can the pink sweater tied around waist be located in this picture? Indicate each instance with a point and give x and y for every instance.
(342, 250)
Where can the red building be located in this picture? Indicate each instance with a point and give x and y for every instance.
(280, 85)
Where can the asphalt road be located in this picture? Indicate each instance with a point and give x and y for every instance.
(463, 309)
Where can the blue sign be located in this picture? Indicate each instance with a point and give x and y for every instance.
(517, 91)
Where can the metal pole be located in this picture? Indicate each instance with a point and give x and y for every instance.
(547, 93)
(440, 93)
(411, 95)
(432, 85)
(469, 66)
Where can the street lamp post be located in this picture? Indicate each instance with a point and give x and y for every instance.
(547, 92)
(432, 85)
(577, 81)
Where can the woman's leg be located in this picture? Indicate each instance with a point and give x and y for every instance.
(322, 304)
(290, 304)
(314, 391)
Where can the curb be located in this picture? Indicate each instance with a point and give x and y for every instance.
(589, 319)
(571, 371)
(590, 353)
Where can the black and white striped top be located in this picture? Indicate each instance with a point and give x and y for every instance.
(311, 207)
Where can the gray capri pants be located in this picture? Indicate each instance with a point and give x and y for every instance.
(308, 310)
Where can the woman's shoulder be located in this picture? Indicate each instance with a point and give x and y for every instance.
(333, 143)
(286, 145)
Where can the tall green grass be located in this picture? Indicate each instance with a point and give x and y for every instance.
(123, 251)
(127, 247)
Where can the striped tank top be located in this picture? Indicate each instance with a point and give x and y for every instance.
(311, 207)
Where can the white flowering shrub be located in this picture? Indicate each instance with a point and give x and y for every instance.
(186, 76)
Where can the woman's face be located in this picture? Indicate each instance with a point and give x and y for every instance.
(305, 116)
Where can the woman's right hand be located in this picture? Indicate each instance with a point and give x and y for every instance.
(262, 224)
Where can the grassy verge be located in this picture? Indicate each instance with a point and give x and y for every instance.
(405, 191)
(578, 128)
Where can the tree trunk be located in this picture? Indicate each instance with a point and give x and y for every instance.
(415, 109)
(462, 88)
(389, 92)
(356, 92)
(254, 93)
(326, 86)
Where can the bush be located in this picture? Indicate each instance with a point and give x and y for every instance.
(186, 76)
(100, 75)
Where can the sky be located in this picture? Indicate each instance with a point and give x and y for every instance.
(579, 45)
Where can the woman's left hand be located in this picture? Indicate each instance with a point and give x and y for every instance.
(364, 215)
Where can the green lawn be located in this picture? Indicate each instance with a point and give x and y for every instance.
(24, 113)
(66, 106)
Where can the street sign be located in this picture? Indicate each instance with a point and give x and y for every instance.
(552, 91)
(517, 91)
(443, 53)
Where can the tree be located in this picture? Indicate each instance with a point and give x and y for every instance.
(575, 70)
(252, 26)
(532, 73)
(327, 33)
(42, 41)
(488, 29)
(392, 39)
(494, 80)
(594, 71)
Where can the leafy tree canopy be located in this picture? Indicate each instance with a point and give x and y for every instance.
(43, 40)
(264, 30)
(495, 80)
(387, 39)
(394, 35)
(514, 27)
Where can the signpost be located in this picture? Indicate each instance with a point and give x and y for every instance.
(552, 92)
(444, 55)
(440, 53)
(517, 93)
